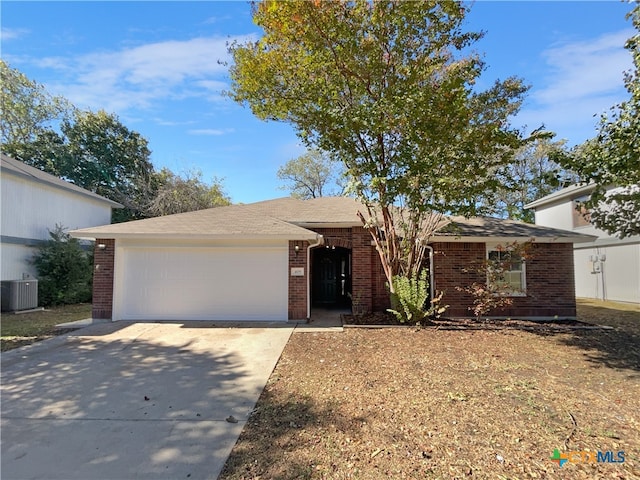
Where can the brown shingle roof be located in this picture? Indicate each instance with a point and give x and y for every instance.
(287, 217)
(230, 221)
(501, 228)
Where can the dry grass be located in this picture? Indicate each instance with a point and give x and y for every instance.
(17, 330)
(406, 403)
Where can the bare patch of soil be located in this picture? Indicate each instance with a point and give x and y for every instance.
(445, 403)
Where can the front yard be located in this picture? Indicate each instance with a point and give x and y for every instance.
(17, 330)
(406, 403)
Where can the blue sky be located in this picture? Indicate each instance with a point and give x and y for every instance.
(156, 65)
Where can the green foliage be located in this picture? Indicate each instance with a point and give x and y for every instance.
(185, 193)
(105, 157)
(389, 88)
(27, 109)
(613, 157)
(64, 270)
(531, 175)
(309, 175)
(410, 297)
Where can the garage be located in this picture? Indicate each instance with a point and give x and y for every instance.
(239, 283)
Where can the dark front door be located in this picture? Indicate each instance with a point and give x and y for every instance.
(327, 287)
(331, 277)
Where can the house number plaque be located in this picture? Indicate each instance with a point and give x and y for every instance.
(297, 271)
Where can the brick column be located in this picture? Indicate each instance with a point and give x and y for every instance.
(362, 273)
(103, 271)
(298, 284)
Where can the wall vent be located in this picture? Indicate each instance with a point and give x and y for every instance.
(19, 294)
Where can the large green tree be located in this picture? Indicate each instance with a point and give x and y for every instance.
(388, 88)
(611, 161)
(310, 175)
(28, 117)
(106, 157)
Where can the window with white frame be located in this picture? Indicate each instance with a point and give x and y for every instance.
(506, 272)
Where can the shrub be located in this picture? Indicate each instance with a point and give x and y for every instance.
(64, 270)
(411, 297)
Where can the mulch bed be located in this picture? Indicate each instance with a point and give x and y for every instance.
(380, 319)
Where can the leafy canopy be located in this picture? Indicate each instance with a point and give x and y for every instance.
(532, 174)
(387, 88)
(27, 108)
(612, 159)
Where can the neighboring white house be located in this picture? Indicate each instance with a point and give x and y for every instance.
(34, 202)
(607, 268)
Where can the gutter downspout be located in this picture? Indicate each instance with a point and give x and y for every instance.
(431, 286)
(319, 241)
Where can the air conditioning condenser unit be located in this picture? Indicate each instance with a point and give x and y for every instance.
(19, 294)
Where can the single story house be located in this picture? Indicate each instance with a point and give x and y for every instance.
(607, 267)
(33, 203)
(275, 259)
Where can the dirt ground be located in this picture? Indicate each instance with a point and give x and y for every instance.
(489, 403)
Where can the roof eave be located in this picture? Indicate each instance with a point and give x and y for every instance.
(536, 239)
(559, 196)
(86, 194)
(327, 224)
(93, 234)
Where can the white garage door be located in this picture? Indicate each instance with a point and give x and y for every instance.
(222, 283)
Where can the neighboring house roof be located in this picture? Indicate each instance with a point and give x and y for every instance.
(571, 192)
(15, 167)
(498, 228)
(288, 217)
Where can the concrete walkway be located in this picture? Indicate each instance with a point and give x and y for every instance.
(323, 320)
(133, 400)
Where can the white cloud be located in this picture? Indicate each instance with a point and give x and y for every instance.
(587, 68)
(211, 131)
(585, 78)
(7, 34)
(138, 77)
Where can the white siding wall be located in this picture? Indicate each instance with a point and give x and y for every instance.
(31, 209)
(15, 262)
(556, 216)
(619, 275)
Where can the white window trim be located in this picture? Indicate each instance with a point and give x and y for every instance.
(523, 275)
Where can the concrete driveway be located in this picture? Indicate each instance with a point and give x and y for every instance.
(133, 400)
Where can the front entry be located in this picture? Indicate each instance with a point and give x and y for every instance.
(331, 277)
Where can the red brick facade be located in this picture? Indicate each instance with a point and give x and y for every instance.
(550, 286)
(103, 271)
(549, 277)
(368, 288)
